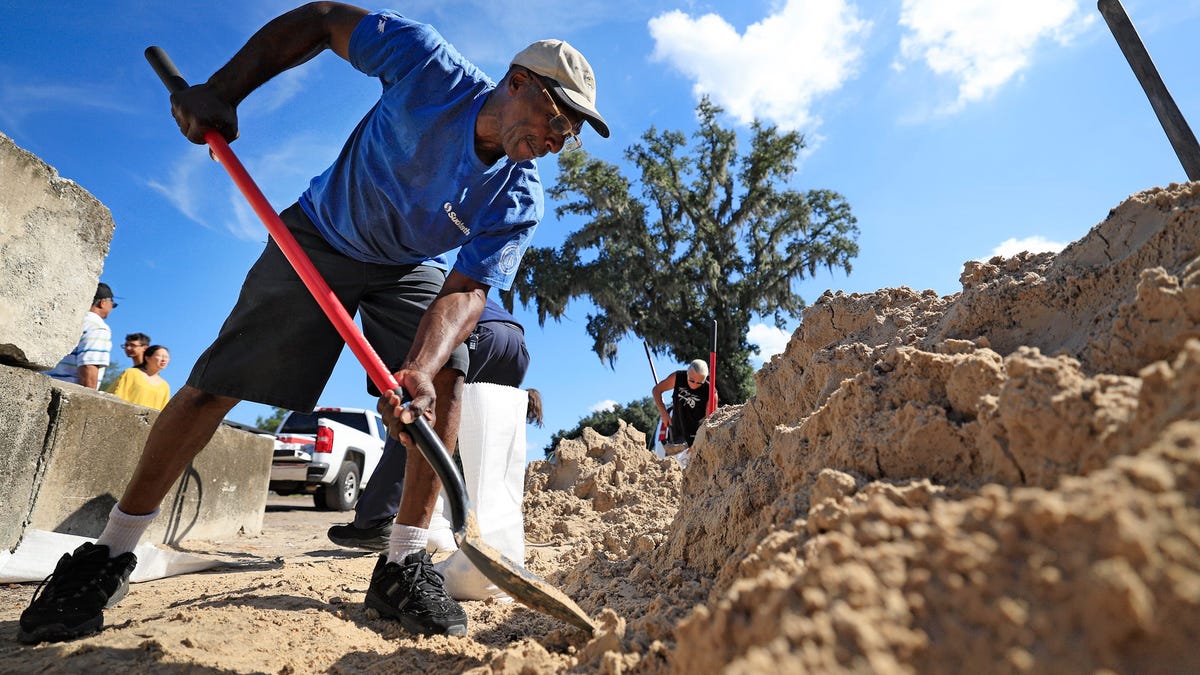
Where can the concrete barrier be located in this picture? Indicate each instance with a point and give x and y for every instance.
(54, 236)
(66, 453)
(24, 418)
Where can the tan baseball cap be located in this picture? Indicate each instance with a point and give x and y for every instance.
(574, 81)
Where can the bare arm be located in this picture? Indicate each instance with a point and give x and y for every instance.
(88, 376)
(445, 325)
(659, 389)
(285, 42)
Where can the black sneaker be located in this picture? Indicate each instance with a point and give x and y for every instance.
(371, 538)
(415, 594)
(70, 602)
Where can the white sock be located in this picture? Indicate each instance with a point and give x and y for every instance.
(406, 539)
(123, 531)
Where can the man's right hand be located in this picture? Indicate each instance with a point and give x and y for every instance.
(198, 109)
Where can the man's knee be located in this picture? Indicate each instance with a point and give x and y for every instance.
(195, 401)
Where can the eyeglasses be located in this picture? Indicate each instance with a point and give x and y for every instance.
(691, 381)
(560, 123)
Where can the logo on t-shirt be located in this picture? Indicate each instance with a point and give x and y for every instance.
(510, 257)
(686, 397)
(462, 227)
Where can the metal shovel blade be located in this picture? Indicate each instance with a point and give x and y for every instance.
(520, 583)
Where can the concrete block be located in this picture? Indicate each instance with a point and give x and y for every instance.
(93, 446)
(54, 236)
(24, 417)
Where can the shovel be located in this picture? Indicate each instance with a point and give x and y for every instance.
(520, 583)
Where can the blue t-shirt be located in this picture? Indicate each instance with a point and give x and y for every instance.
(408, 186)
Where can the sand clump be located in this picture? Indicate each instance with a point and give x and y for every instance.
(1006, 479)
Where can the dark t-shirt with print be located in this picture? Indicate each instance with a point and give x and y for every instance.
(688, 408)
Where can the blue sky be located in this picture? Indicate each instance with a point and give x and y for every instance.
(955, 129)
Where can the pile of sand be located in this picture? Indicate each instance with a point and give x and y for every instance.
(1003, 479)
(1006, 479)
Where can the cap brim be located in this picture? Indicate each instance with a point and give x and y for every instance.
(579, 104)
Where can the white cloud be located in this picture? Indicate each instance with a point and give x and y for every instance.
(281, 174)
(1035, 244)
(608, 404)
(279, 92)
(982, 44)
(770, 341)
(245, 223)
(284, 167)
(776, 69)
(180, 187)
(191, 186)
(21, 100)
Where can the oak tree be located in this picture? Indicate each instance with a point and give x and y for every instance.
(707, 233)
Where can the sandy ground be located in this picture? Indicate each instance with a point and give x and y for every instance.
(290, 603)
(1006, 479)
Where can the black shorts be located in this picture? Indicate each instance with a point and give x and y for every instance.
(278, 348)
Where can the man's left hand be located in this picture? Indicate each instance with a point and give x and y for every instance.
(397, 415)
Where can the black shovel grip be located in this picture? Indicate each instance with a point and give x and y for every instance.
(167, 72)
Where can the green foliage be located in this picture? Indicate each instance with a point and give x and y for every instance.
(712, 236)
(271, 422)
(642, 414)
(111, 375)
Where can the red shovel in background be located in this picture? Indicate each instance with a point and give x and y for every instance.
(522, 584)
(712, 373)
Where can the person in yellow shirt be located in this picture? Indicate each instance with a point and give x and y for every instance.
(142, 384)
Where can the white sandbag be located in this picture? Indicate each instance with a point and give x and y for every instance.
(684, 457)
(465, 582)
(491, 442)
(441, 535)
(39, 551)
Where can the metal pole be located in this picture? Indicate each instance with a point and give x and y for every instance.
(1172, 120)
(661, 429)
(651, 360)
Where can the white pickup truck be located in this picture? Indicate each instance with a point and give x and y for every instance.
(329, 453)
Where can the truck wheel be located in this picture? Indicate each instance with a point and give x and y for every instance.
(342, 493)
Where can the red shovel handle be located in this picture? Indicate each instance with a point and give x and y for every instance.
(431, 446)
(712, 373)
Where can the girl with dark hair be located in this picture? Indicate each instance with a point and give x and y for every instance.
(142, 385)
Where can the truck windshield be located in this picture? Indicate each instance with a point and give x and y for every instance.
(306, 423)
